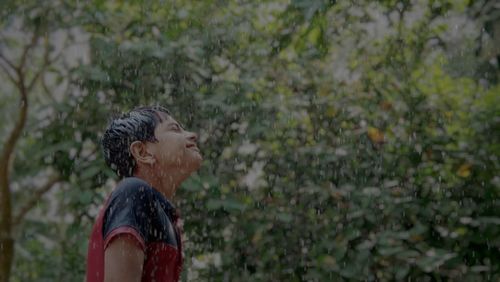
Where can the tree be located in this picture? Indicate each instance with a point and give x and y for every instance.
(340, 141)
(30, 55)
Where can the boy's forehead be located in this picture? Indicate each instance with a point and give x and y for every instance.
(166, 118)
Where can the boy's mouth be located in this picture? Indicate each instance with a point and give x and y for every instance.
(192, 146)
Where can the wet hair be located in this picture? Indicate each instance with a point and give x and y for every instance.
(136, 125)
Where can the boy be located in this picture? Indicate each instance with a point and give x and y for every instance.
(135, 237)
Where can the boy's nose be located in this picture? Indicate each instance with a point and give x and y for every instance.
(193, 137)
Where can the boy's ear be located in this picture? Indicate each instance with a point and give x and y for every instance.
(141, 153)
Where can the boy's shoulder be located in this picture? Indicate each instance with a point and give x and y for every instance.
(136, 195)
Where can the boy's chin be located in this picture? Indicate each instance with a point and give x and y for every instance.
(194, 165)
(197, 161)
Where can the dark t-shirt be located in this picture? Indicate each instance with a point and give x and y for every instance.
(137, 209)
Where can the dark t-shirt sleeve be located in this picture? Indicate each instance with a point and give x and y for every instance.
(129, 212)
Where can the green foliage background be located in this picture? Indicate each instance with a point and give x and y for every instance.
(342, 140)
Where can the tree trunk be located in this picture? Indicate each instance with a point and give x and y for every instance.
(6, 257)
(6, 239)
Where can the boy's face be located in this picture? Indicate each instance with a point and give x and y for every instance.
(176, 149)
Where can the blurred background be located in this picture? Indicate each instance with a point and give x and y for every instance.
(343, 140)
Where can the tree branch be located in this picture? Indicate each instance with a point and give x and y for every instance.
(11, 78)
(13, 137)
(47, 91)
(34, 199)
(7, 61)
(32, 44)
(7, 71)
(45, 64)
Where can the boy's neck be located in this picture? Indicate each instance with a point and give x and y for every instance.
(166, 184)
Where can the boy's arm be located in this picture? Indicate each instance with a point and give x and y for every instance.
(123, 260)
